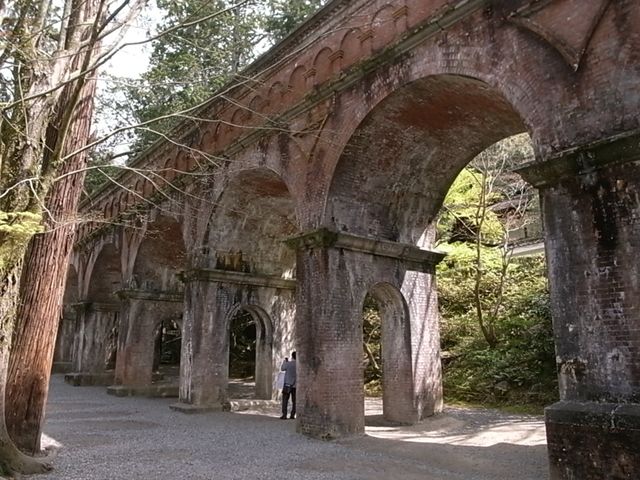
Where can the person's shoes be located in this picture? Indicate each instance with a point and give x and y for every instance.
(283, 417)
(293, 415)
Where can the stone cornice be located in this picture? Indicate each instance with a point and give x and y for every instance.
(135, 294)
(239, 278)
(325, 238)
(581, 160)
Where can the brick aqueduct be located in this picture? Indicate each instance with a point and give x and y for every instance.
(343, 140)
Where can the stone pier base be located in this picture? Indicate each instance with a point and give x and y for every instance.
(192, 409)
(593, 441)
(155, 391)
(88, 379)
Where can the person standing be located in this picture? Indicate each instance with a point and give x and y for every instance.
(289, 388)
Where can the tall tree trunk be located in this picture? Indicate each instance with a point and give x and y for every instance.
(12, 460)
(42, 286)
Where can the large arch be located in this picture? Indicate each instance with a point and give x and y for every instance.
(154, 295)
(247, 264)
(387, 187)
(253, 215)
(105, 276)
(160, 256)
(399, 163)
(95, 346)
(66, 336)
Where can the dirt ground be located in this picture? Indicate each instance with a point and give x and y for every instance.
(108, 438)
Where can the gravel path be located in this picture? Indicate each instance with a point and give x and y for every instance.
(109, 438)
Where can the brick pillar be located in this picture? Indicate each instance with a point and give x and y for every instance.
(211, 297)
(63, 356)
(141, 315)
(204, 363)
(419, 290)
(96, 323)
(334, 273)
(591, 206)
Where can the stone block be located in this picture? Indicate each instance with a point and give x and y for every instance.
(593, 441)
(155, 391)
(89, 379)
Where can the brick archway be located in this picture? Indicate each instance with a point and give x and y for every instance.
(264, 361)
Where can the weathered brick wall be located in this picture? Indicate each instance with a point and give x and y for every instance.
(141, 314)
(590, 203)
(96, 327)
(333, 281)
(210, 305)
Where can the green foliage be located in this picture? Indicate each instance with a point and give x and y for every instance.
(242, 347)
(460, 218)
(372, 335)
(190, 64)
(521, 368)
(286, 15)
(510, 360)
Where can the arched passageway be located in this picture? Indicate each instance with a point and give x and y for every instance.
(247, 270)
(151, 306)
(166, 351)
(385, 195)
(250, 353)
(97, 321)
(66, 336)
(393, 356)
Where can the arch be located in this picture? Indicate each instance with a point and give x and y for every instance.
(192, 161)
(297, 81)
(254, 213)
(64, 347)
(169, 169)
(256, 105)
(397, 369)
(238, 118)
(384, 27)
(263, 346)
(400, 161)
(351, 46)
(106, 209)
(147, 188)
(323, 65)
(181, 162)
(209, 138)
(167, 330)
(72, 287)
(275, 96)
(105, 276)
(120, 205)
(160, 256)
(139, 186)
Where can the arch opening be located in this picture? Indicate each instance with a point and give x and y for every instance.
(160, 257)
(397, 168)
(253, 215)
(106, 276)
(167, 345)
(387, 354)
(250, 353)
(65, 338)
